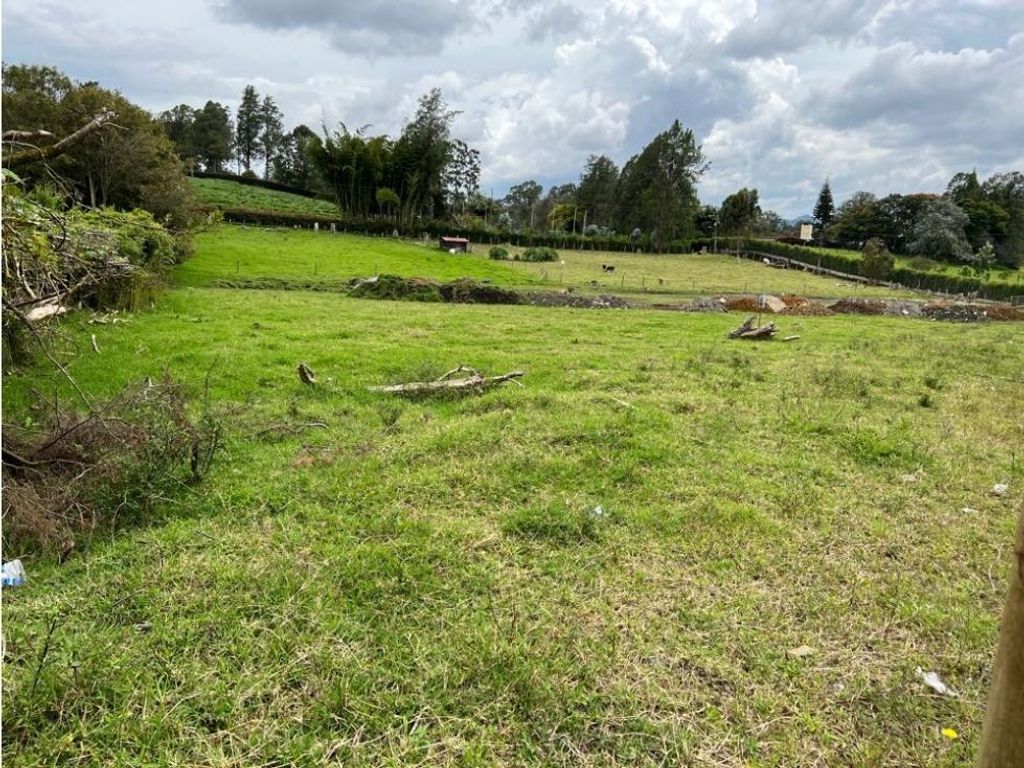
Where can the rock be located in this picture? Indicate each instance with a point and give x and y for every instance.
(773, 303)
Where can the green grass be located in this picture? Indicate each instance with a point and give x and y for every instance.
(426, 582)
(305, 258)
(222, 193)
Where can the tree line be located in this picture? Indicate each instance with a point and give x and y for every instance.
(976, 223)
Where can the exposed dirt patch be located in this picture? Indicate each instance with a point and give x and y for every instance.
(559, 299)
(859, 307)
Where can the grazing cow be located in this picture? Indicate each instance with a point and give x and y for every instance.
(608, 267)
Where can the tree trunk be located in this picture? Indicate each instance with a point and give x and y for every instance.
(1002, 740)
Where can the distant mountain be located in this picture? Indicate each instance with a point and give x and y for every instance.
(805, 219)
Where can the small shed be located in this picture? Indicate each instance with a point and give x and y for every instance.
(454, 244)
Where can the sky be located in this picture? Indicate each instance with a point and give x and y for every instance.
(876, 95)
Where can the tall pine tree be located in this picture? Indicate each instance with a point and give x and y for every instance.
(824, 209)
(248, 124)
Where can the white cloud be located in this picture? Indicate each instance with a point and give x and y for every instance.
(883, 95)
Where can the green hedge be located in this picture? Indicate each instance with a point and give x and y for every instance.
(910, 278)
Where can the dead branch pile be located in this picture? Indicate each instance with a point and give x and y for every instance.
(751, 332)
(77, 472)
(474, 381)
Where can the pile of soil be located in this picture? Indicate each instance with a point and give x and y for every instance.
(702, 304)
(559, 299)
(466, 291)
(741, 304)
(808, 308)
(1005, 312)
(394, 288)
(859, 307)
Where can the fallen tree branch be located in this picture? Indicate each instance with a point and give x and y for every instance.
(23, 136)
(446, 383)
(62, 146)
(751, 332)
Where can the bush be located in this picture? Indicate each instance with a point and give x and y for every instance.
(876, 261)
(137, 450)
(539, 253)
(498, 253)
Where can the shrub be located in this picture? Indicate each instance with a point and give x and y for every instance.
(539, 253)
(922, 264)
(72, 473)
(876, 261)
(498, 253)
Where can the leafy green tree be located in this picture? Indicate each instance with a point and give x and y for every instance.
(179, 125)
(597, 190)
(132, 165)
(293, 164)
(353, 166)
(657, 186)
(740, 212)
(212, 136)
(705, 219)
(559, 218)
(1007, 191)
(824, 209)
(940, 233)
(876, 261)
(32, 96)
(387, 201)
(520, 203)
(271, 132)
(421, 156)
(247, 127)
(983, 260)
(462, 174)
(856, 220)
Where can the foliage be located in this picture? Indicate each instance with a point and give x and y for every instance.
(657, 187)
(102, 258)
(939, 233)
(740, 212)
(498, 253)
(539, 253)
(270, 135)
(212, 136)
(824, 208)
(520, 203)
(124, 166)
(247, 127)
(89, 473)
(876, 261)
(597, 191)
(293, 165)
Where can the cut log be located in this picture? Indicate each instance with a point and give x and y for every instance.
(750, 332)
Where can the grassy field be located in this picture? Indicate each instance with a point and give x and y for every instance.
(428, 583)
(223, 193)
(304, 258)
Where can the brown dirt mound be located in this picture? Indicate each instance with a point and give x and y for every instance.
(741, 304)
(808, 308)
(558, 299)
(792, 300)
(1005, 312)
(858, 307)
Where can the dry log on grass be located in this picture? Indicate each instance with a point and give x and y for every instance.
(751, 332)
(446, 383)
